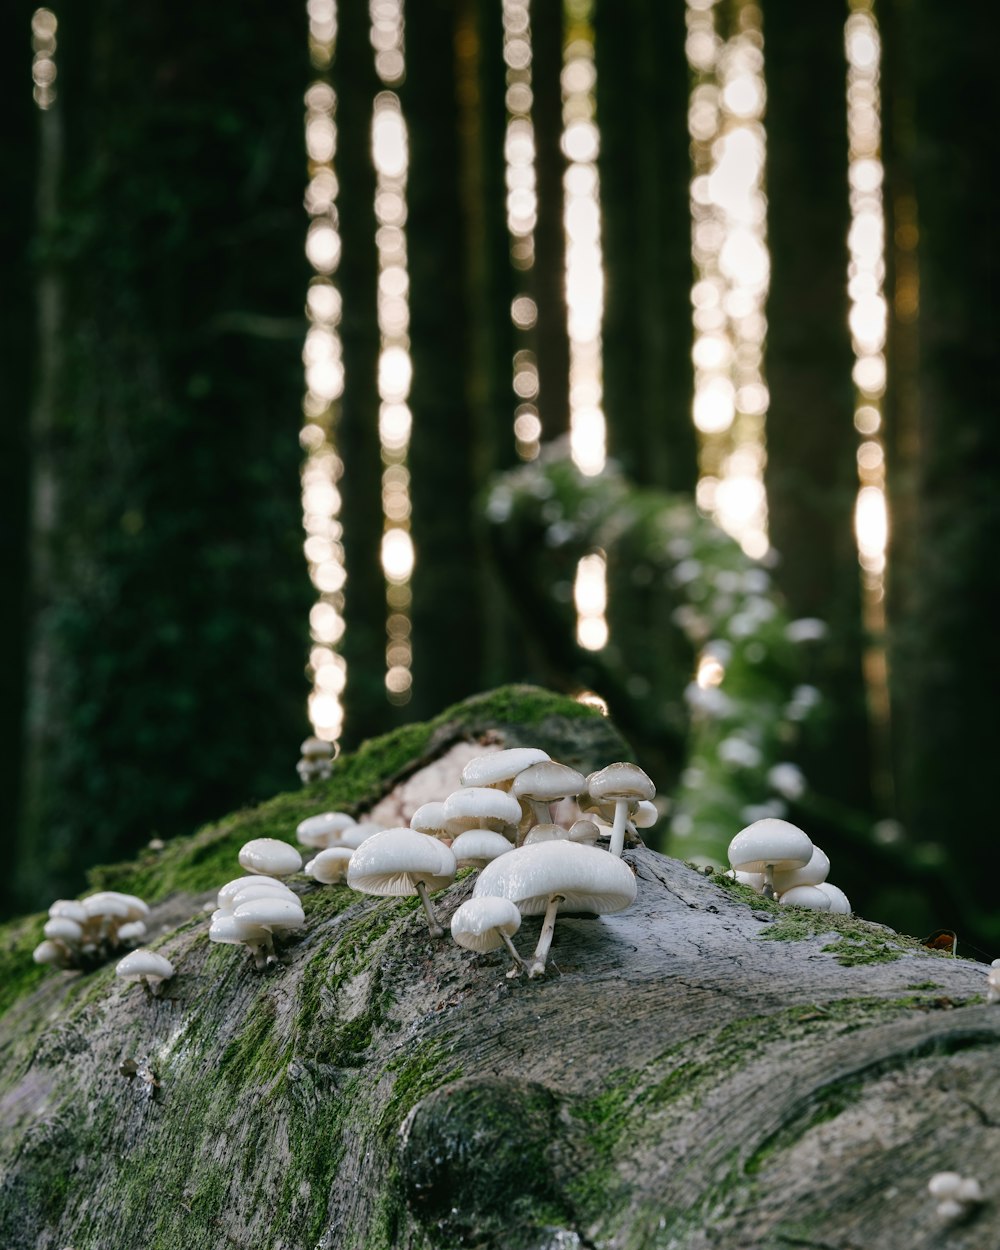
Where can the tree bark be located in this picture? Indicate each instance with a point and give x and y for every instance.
(703, 1069)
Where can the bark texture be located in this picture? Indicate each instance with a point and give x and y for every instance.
(701, 1070)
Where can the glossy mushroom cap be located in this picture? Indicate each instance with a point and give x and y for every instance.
(840, 904)
(429, 818)
(323, 830)
(143, 964)
(271, 857)
(621, 780)
(770, 843)
(499, 768)
(816, 871)
(330, 866)
(805, 896)
(391, 862)
(477, 847)
(228, 892)
(548, 781)
(479, 807)
(272, 912)
(478, 923)
(588, 880)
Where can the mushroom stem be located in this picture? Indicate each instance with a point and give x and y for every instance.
(432, 921)
(149, 990)
(519, 963)
(618, 828)
(259, 957)
(542, 811)
(537, 965)
(767, 889)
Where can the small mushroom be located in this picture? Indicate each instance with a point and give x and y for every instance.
(554, 876)
(486, 924)
(806, 896)
(326, 829)
(330, 866)
(770, 845)
(498, 769)
(399, 862)
(273, 914)
(625, 785)
(145, 966)
(545, 783)
(814, 872)
(475, 848)
(270, 856)
(840, 904)
(479, 807)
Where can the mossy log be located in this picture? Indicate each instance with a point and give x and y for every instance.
(701, 1070)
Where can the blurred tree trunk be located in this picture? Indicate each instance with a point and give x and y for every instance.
(549, 270)
(173, 625)
(945, 589)
(356, 433)
(19, 149)
(645, 169)
(811, 473)
(447, 611)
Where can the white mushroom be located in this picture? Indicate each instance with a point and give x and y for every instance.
(145, 966)
(475, 848)
(840, 904)
(484, 924)
(228, 892)
(814, 872)
(479, 807)
(499, 768)
(270, 856)
(330, 866)
(545, 783)
(399, 862)
(429, 818)
(625, 785)
(557, 875)
(237, 931)
(323, 830)
(273, 914)
(770, 845)
(805, 896)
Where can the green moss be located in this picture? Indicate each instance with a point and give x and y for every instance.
(418, 1073)
(859, 941)
(19, 974)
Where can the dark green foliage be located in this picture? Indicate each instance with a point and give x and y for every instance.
(171, 629)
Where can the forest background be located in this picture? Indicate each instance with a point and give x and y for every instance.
(166, 617)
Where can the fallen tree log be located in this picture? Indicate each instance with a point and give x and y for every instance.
(703, 1070)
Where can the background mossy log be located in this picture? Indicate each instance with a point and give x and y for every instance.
(701, 1070)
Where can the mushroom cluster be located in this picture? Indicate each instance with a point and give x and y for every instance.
(955, 1194)
(251, 910)
(315, 761)
(82, 933)
(779, 861)
(334, 836)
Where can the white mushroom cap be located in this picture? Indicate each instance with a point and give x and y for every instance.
(131, 932)
(840, 904)
(969, 1190)
(316, 749)
(330, 865)
(588, 879)
(48, 952)
(236, 930)
(69, 908)
(547, 781)
(270, 856)
(429, 818)
(353, 837)
(229, 891)
(770, 843)
(813, 873)
(323, 830)
(585, 831)
(621, 780)
(250, 892)
(391, 862)
(478, 923)
(944, 1184)
(755, 880)
(544, 832)
(497, 767)
(478, 807)
(950, 1208)
(107, 903)
(272, 912)
(806, 896)
(142, 964)
(62, 929)
(646, 814)
(477, 847)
